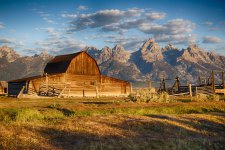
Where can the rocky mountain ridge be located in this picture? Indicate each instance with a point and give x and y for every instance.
(150, 61)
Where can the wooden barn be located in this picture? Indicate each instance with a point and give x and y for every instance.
(70, 75)
(3, 87)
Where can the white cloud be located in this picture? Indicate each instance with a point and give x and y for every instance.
(72, 16)
(175, 26)
(134, 12)
(11, 42)
(1, 25)
(177, 39)
(49, 20)
(51, 31)
(175, 31)
(213, 29)
(104, 19)
(58, 43)
(212, 39)
(155, 15)
(7, 40)
(82, 7)
(208, 23)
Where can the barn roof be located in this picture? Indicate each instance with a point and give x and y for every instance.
(25, 79)
(60, 63)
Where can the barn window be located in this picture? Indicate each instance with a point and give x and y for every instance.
(92, 83)
(5, 90)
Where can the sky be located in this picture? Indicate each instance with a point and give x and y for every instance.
(67, 26)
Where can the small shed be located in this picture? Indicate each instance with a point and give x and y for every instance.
(3, 87)
(75, 74)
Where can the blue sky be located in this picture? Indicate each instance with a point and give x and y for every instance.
(60, 27)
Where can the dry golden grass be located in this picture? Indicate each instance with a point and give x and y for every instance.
(110, 124)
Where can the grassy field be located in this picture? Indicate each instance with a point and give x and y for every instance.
(110, 123)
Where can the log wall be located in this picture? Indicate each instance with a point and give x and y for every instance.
(73, 85)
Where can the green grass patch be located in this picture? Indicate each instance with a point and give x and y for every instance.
(56, 111)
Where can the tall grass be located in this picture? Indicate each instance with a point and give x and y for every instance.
(55, 111)
(28, 115)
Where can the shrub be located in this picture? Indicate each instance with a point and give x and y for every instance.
(214, 97)
(200, 97)
(146, 95)
(54, 105)
(203, 97)
(8, 115)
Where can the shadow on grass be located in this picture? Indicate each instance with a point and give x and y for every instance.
(66, 112)
(200, 124)
(155, 133)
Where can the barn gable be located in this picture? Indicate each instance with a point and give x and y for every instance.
(80, 63)
(83, 64)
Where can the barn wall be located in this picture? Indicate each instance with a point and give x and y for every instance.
(92, 85)
(51, 82)
(80, 85)
(83, 64)
(3, 87)
(72, 85)
(111, 86)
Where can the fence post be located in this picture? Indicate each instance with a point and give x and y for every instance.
(131, 87)
(96, 89)
(190, 90)
(213, 82)
(196, 90)
(223, 83)
(83, 88)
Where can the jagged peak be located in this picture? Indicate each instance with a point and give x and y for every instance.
(88, 48)
(118, 47)
(8, 49)
(212, 53)
(8, 53)
(152, 40)
(170, 47)
(106, 47)
(150, 44)
(194, 48)
(44, 54)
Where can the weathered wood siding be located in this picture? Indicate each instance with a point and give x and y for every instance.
(78, 85)
(3, 87)
(83, 64)
(111, 86)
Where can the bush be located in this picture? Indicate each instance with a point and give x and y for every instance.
(146, 95)
(8, 115)
(203, 97)
(54, 105)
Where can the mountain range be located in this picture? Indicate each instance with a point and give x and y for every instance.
(150, 61)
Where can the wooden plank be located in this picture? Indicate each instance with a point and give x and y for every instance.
(21, 92)
(220, 91)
